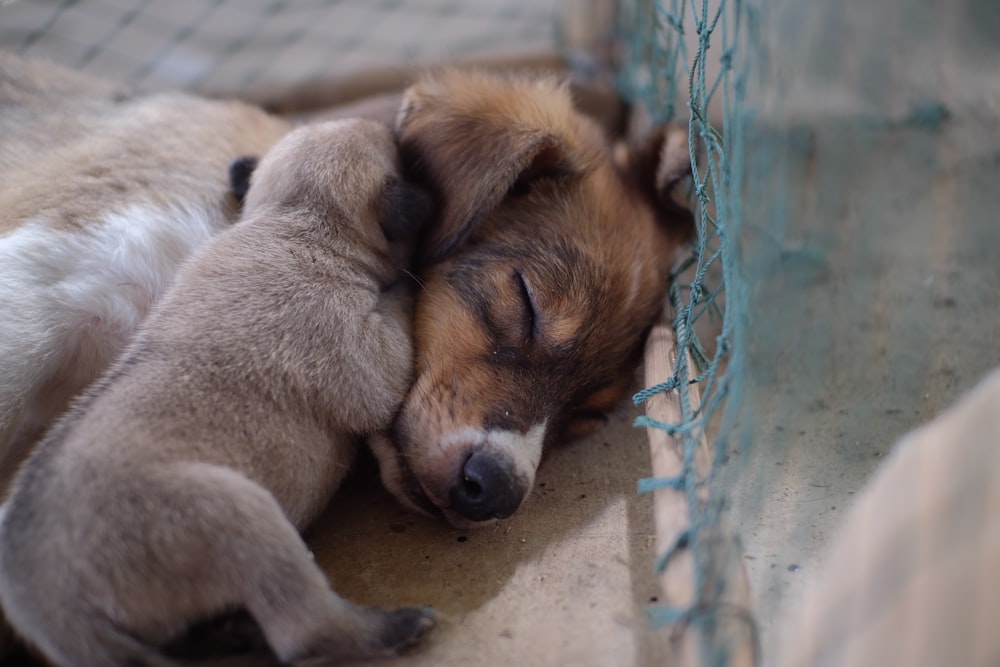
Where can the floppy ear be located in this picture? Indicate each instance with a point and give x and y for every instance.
(474, 141)
(663, 168)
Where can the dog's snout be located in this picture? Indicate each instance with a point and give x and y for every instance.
(486, 488)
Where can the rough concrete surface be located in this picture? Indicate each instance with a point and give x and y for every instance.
(565, 581)
(876, 311)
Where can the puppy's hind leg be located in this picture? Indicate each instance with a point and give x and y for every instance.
(258, 551)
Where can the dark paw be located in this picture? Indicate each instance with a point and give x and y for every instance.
(406, 627)
(240, 171)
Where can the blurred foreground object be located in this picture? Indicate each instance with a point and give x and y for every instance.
(912, 576)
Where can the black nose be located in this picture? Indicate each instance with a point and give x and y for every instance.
(486, 488)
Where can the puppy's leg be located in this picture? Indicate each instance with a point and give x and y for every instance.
(119, 600)
(378, 357)
(27, 361)
(303, 620)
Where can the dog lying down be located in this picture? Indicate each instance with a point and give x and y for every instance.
(175, 490)
(542, 274)
(103, 191)
(546, 263)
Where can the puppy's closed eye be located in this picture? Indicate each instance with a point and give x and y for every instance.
(404, 210)
(528, 303)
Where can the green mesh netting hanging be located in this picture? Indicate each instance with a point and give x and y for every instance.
(848, 160)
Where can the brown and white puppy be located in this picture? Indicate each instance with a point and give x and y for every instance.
(102, 194)
(540, 281)
(175, 489)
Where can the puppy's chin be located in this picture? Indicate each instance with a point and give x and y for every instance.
(400, 481)
(459, 521)
(397, 478)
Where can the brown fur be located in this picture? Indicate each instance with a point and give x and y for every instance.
(179, 482)
(541, 280)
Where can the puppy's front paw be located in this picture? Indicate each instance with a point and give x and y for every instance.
(366, 633)
(406, 627)
(240, 171)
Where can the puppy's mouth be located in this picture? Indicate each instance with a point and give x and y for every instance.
(398, 478)
(424, 501)
(417, 494)
(406, 487)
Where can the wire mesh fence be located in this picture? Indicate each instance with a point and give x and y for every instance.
(681, 61)
(846, 204)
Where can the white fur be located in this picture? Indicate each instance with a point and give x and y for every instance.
(525, 450)
(71, 299)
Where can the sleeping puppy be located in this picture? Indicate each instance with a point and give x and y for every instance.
(175, 489)
(102, 194)
(549, 264)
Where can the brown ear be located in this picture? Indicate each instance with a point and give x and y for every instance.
(663, 169)
(474, 140)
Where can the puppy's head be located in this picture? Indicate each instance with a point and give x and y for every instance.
(542, 275)
(347, 170)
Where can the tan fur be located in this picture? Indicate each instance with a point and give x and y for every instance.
(74, 150)
(179, 482)
(70, 142)
(541, 279)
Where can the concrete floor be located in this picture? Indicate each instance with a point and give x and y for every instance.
(871, 250)
(563, 582)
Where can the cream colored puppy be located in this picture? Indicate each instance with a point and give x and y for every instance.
(175, 489)
(102, 193)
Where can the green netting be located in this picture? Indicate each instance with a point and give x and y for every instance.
(848, 197)
(681, 62)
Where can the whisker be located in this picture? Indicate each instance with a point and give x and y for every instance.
(415, 278)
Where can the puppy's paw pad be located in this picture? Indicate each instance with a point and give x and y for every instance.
(407, 627)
